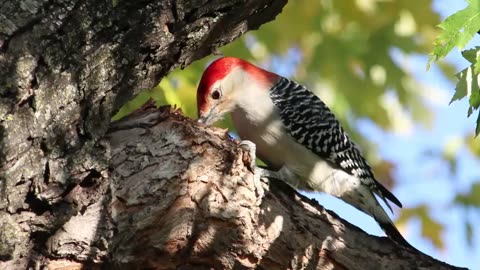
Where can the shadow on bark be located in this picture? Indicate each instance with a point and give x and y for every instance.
(3, 184)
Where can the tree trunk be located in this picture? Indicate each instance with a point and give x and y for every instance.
(158, 191)
(65, 67)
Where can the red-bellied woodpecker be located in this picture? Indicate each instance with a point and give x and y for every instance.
(295, 134)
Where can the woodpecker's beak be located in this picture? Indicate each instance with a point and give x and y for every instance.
(202, 120)
(205, 119)
(210, 116)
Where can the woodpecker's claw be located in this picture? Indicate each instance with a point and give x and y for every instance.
(249, 160)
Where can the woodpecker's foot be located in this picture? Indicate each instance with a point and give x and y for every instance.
(251, 148)
(283, 174)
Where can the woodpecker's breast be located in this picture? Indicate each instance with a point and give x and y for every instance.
(257, 120)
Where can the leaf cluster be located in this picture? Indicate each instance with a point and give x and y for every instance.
(457, 30)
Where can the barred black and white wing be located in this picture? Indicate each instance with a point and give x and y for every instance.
(311, 123)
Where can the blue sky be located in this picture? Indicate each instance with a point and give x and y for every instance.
(426, 179)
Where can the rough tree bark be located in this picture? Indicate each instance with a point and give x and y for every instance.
(159, 191)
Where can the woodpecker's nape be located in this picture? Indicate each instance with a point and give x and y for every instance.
(295, 134)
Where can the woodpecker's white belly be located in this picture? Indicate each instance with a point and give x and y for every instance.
(278, 149)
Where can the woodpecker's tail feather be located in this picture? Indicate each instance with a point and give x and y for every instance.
(375, 210)
(392, 232)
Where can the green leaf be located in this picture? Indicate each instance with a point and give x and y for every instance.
(473, 145)
(472, 198)
(458, 30)
(468, 86)
(431, 229)
(477, 129)
(475, 98)
(450, 153)
(461, 87)
(467, 81)
(469, 233)
(473, 56)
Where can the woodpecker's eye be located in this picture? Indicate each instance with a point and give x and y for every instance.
(216, 94)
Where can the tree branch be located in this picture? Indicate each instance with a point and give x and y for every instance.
(183, 197)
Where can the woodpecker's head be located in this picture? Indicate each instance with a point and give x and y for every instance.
(225, 83)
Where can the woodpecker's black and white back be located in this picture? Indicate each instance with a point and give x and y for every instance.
(295, 134)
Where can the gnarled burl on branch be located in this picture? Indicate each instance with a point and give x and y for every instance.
(183, 197)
